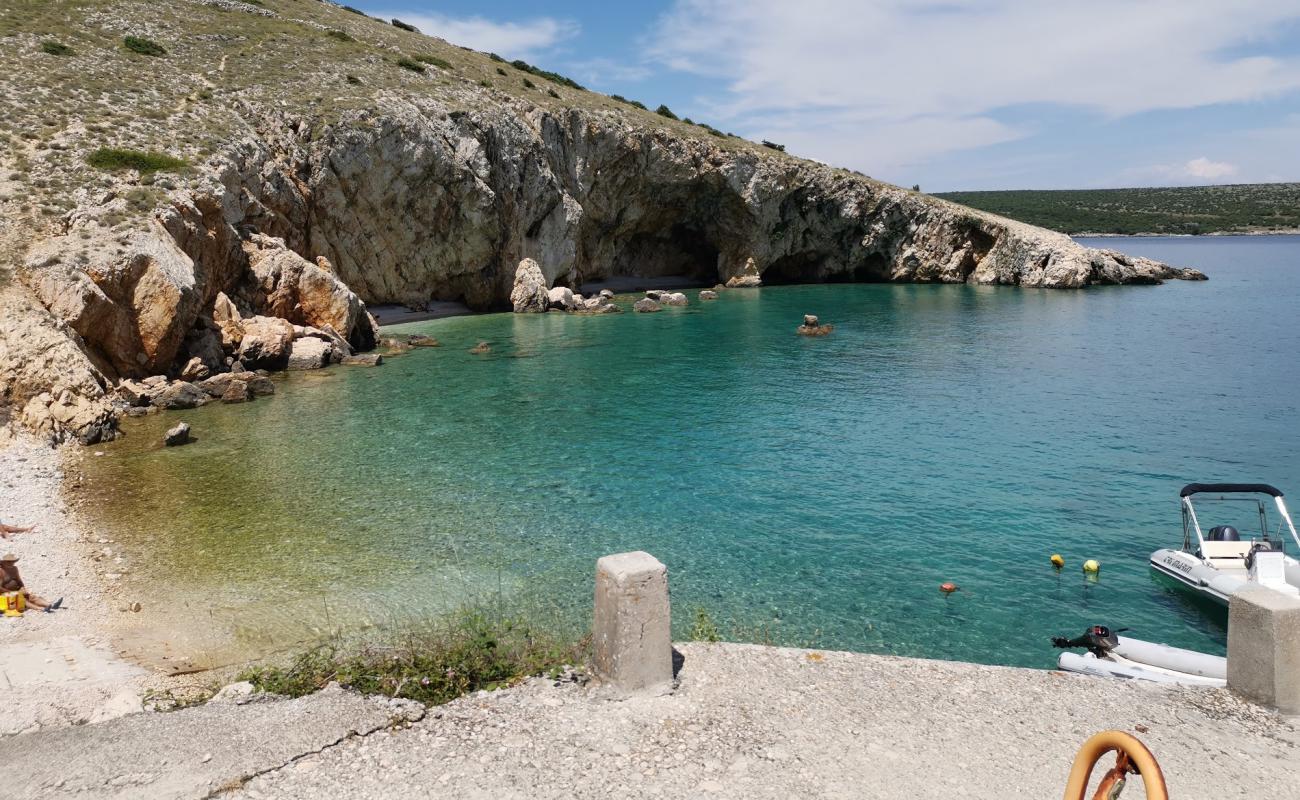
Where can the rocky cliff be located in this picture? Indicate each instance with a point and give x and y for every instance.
(404, 186)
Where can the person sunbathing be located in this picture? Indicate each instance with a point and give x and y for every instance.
(7, 531)
(12, 582)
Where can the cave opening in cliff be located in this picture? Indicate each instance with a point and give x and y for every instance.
(797, 268)
(679, 251)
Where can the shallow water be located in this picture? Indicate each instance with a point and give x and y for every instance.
(802, 490)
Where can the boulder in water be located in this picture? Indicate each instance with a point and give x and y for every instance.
(529, 294)
(708, 294)
(674, 299)
(178, 435)
(481, 348)
(646, 306)
(812, 326)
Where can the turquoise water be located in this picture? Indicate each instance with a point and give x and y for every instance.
(802, 490)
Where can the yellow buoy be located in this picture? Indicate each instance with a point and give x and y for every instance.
(1091, 566)
(1057, 561)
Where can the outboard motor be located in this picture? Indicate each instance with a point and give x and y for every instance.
(1098, 640)
(1223, 533)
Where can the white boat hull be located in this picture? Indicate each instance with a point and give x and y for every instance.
(1217, 584)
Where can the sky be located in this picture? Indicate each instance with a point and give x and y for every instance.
(945, 94)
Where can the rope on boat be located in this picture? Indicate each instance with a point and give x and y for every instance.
(1132, 757)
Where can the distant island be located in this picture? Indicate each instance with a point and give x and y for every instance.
(1184, 210)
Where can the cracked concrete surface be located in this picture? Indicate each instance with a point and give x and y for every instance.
(192, 753)
(746, 722)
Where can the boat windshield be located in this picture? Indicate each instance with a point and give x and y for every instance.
(1234, 517)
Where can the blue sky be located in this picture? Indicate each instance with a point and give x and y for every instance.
(948, 94)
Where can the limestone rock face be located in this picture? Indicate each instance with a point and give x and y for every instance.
(529, 294)
(487, 200)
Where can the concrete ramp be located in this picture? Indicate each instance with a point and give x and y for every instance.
(190, 753)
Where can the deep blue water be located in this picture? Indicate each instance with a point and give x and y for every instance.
(801, 490)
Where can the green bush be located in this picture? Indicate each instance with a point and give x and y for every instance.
(397, 23)
(485, 83)
(553, 77)
(55, 48)
(440, 63)
(553, 93)
(703, 628)
(413, 66)
(353, 79)
(501, 71)
(342, 36)
(113, 159)
(145, 47)
(476, 651)
(774, 145)
(529, 84)
(665, 111)
(354, 10)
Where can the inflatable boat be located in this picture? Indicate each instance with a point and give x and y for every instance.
(1109, 655)
(1217, 563)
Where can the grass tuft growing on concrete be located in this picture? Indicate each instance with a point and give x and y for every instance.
(113, 159)
(475, 650)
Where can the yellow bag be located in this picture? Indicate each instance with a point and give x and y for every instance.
(13, 604)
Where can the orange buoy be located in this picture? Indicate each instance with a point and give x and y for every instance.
(948, 587)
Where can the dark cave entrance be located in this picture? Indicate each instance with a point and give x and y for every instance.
(798, 268)
(680, 251)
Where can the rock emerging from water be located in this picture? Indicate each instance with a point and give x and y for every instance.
(748, 278)
(561, 298)
(481, 348)
(646, 306)
(674, 299)
(708, 294)
(236, 392)
(180, 395)
(421, 340)
(177, 435)
(529, 294)
(309, 353)
(812, 326)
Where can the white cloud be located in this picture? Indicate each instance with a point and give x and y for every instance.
(510, 39)
(1210, 170)
(879, 84)
(597, 70)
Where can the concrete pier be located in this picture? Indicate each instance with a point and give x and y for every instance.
(632, 625)
(1264, 647)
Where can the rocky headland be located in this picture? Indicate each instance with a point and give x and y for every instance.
(304, 161)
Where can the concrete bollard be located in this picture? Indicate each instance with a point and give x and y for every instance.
(1264, 647)
(632, 627)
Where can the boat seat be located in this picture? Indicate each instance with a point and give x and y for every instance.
(1225, 550)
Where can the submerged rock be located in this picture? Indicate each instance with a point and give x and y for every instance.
(422, 340)
(363, 360)
(178, 435)
(480, 348)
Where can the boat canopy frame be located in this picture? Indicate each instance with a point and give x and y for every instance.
(1189, 512)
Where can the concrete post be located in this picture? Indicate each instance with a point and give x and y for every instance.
(631, 631)
(1264, 647)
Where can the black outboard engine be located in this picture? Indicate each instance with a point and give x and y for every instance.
(1098, 640)
(1224, 533)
